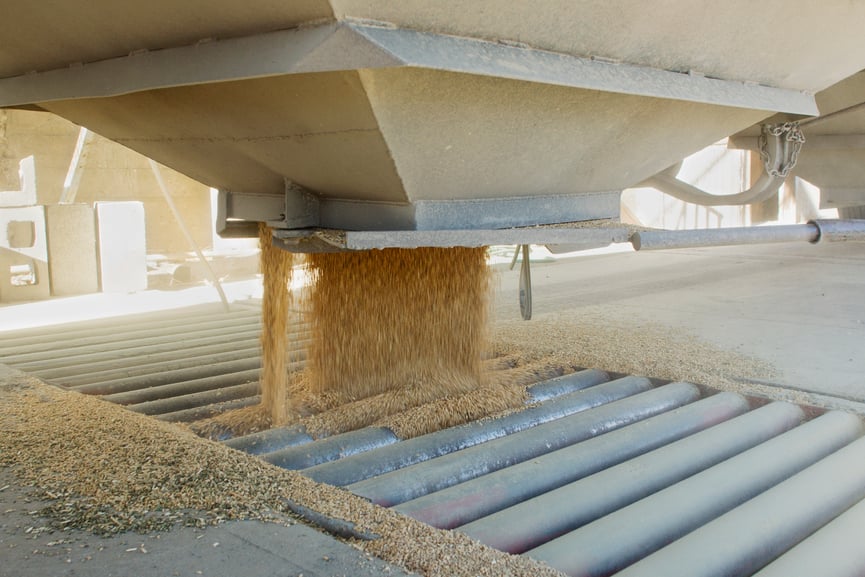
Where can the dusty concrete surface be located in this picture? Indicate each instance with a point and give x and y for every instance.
(29, 547)
(798, 306)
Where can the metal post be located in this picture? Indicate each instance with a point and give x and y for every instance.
(189, 239)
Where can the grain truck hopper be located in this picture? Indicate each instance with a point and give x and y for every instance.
(362, 124)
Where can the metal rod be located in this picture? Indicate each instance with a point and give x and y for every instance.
(247, 386)
(364, 466)
(177, 216)
(813, 232)
(485, 495)
(760, 530)
(331, 448)
(834, 551)
(436, 474)
(76, 167)
(50, 360)
(270, 440)
(545, 517)
(666, 239)
(526, 285)
(659, 519)
(206, 411)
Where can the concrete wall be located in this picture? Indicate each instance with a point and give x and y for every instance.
(112, 173)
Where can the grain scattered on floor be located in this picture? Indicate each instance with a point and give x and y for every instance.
(108, 470)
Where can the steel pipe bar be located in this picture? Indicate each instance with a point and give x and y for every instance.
(540, 519)
(275, 439)
(223, 388)
(814, 231)
(124, 325)
(752, 535)
(151, 317)
(175, 383)
(270, 440)
(667, 239)
(834, 551)
(331, 448)
(436, 474)
(77, 375)
(206, 411)
(125, 348)
(124, 333)
(625, 536)
(142, 374)
(359, 467)
(485, 495)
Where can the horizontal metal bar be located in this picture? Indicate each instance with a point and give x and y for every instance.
(364, 466)
(436, 474)
(667, 239)
(218, 389)
(834, 551)
(485, 495)
(757, 532)
(270, 440)
(353, 46)
(625, 536)
(474, 56)
(331, 448)
(840, 230)
(545, 517)
(207, 411)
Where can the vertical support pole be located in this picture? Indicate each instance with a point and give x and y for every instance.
(217, 285)
(76, 167)
(526, 285)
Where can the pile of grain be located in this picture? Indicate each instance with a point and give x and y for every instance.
(276, 268)
(109, 470)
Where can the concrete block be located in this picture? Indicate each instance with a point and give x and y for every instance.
(72, 250)
(23, 254)
(122, 248)
(27, 195)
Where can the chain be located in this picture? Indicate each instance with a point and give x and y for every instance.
(793, 139)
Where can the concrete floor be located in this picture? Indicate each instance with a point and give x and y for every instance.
(797, 306)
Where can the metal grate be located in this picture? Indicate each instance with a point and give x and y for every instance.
(601, 474)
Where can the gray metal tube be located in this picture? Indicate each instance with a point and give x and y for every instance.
(206, 411)
(485, 495)
(840, 230)
(80, 356)
(174, 383)
(757, 532)
(587, 391)
(225, 388)
(306, 455)
(437, 474)
(625, 536)
(836, 550)
(147, 387)
(543, 518)
(275, 439)
(123, 333)
(667, 239)
(270, 440)
(118, 368)
(110, 325)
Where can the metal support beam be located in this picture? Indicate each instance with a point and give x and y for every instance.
(353, 46)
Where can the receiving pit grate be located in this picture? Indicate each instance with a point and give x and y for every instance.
(601, 474)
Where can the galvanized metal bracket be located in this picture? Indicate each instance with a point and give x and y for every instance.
(238, 214)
